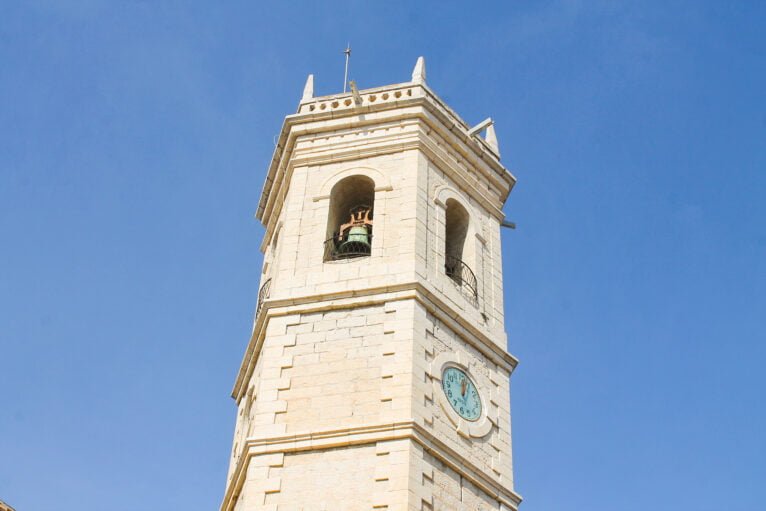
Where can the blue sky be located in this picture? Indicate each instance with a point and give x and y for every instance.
(134, 139)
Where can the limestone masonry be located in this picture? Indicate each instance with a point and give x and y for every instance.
(382, 268)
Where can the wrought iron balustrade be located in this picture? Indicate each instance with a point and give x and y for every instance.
(337, 248)
(263, 294)
(458, 271)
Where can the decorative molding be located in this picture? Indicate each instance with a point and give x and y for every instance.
(436, 114)
(363, 435)
(418, 139)
(478, 337)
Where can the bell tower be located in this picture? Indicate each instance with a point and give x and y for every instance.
(377, 376)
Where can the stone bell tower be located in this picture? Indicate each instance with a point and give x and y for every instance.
(377, 376)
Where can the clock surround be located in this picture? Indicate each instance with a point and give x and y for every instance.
(484, 423)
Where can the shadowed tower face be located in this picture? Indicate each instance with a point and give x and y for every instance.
(377, 375)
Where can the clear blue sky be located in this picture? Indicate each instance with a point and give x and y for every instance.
(134, 139)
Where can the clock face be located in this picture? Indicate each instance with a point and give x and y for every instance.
(461, 393)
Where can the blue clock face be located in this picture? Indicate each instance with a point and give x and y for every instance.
(461, 393)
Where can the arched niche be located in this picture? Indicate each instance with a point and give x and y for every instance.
(456, 221)
(350, 218)
(459, 251)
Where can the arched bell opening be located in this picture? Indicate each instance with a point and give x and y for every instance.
(455, 233)
(350, 219)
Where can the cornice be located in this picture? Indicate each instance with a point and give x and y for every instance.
(478, 337)
(419, 139)
(365, 435)
(452, 128)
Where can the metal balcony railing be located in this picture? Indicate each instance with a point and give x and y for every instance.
(337, 248)
(458, 271)
(263, 294)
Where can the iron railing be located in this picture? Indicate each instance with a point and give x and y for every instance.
(263, 294)
(458, 271)
(337, 248)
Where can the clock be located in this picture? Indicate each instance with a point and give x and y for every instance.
(461, 393)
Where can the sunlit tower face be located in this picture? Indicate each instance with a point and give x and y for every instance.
(377, 375)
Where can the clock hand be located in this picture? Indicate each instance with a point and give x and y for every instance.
(463, 388)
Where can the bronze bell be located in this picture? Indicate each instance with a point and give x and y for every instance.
(358, 234)
(357, 231)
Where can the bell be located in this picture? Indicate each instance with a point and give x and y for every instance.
(358, 233)
(358, 241)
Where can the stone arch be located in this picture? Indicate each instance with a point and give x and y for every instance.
(350, 218)
(456, 221)
(270, 258)
(381, 180)
(457, 224)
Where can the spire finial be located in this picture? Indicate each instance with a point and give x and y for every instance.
(419, 73)
(347, 53)
(491, 139)
(308, 89)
